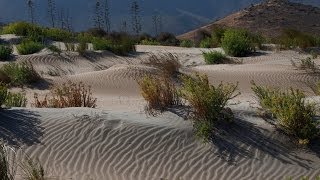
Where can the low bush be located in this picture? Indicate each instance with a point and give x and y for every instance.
(237, 43)
(292, 113)
(123, 47)
(213, 57)
(67, 95)
(82, 48)
(291, 38)
(57, 34)
(150, 42)
(186, 43)
(20, 73)
(207, 43)
(208, 103)
(54, 49)
(167, 39)
(29, 47)
(166, 62)
(159, 92)
(21, 29)
(217, 36)
(101, 44)
(5, 52)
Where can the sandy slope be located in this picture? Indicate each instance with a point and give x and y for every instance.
(118, 141)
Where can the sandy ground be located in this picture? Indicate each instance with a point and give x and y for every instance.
(118, 141)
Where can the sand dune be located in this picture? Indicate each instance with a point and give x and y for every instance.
(117, 141)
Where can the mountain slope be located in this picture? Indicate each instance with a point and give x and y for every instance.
(269, 18)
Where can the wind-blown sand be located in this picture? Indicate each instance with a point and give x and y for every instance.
(118, 141)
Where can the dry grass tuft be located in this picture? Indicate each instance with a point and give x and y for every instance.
(67, 95)
(160, 93)
(7, 167)
(33, 170)
(167, 62)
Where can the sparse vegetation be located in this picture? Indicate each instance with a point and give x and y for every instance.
(293, 114)
(306, 64)
(207, 43)
(54, 49)
(82, 48)
(213, 57)
(6, 169)
(292, 39)
(150, 42)
(159, 92)
(29, 47)
(67, 95)
(237, 43)
(208, 103)
(20, 73)
(33, 170)
(101, 44)
(186, 43)
(166, 62)
(5, 52)
(167, 39)
(56, 34)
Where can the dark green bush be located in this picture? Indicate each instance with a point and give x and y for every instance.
(236, 42)
(5, 52)
(167, 39)
(217, 36)
(292, 113)
(213, 57)
(293, 38)
(186, 43)
(123, 47)
(20, 73)
(207, 43)
(101, 44)
(56, 34)
(21, 29)
(29, 47)
(208, 103)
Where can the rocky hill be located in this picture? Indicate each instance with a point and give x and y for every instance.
(269, 18)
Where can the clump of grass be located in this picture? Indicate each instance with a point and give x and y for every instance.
(29, 47)
(159, 92)
(67, 95)
(33, 170)
(21, 29)
(167, 62)
(292, 113)
(237, 43)
(54, 49)
(208, 103)
(291, 38)
(306, 64)
(10, 99)
(101, 44)
(3, 94)
(20, 73)
(187, 43)
(214, 57)
(150, 42)
(5, 52)
(7, 171)
(82, 48)
(57, 34)
(207, 43)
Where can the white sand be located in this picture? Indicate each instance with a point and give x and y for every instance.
(118, 141)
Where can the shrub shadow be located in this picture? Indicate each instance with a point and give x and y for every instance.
(19, 127)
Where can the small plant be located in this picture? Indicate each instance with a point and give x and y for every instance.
(101, 44)
(207, 43)
(3, 94)
(186, 43)
(237, 43)
(5, 52)
(82, 48)
(166, 62)
(213, 57)
(150, 42)
(67, 95)
(217, 36)
(20, 73)
(15, 100)
(33, 170)
(292, 113)
(55, 49)
(56, 34)
(208, 103)
(29, 47)
(22, 29)
(159, 92)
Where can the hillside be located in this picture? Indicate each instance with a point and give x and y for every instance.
(269, 18)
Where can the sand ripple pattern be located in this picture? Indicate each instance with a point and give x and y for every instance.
(92, 144)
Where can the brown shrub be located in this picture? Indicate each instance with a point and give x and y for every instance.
(167, 62)
(159, 92)
(67, 95)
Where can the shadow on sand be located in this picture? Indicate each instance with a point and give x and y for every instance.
(19, 126)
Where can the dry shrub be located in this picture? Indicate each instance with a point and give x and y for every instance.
(67, 95)
(160, 93)
(306, 64)
(167, 62)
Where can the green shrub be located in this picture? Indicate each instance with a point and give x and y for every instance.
(213, 57)
(186, 43)
(3, 94)
(54, 49)
(123, 47)
(292, 38)
(29, 47)
(167, 39)
(56, 34)
(217, 36)
(292, 113)
(101, 44)
(20, 73)
(82, 48)
(207, 43)
(21, 29)
(84, 37)
(237, 43)
(5, 52)
(150, 42)
(208, 103)
(10, 99)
